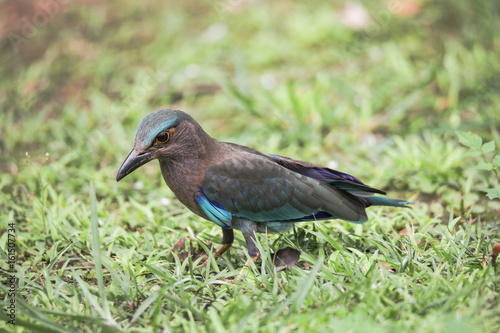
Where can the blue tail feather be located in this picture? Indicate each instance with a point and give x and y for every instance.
(381, 201)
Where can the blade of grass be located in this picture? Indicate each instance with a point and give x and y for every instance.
(146, 303)
(302, 293)
(97, 253)
(42, 322)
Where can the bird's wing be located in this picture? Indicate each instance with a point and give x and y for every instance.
(336, 178)
(340, 180)
(256, 188)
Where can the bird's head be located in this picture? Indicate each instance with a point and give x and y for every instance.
(158, 136)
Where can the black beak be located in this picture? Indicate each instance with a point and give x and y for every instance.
(132, 162)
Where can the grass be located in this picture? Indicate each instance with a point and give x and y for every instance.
(384, 103)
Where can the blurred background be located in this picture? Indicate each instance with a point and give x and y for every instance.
(386, 90)
(377, 88)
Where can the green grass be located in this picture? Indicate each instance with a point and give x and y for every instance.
(384, 103)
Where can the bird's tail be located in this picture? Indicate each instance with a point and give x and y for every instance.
(381, 201)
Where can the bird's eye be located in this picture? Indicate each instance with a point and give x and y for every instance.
(162, 137)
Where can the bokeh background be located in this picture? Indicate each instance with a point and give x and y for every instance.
(393, 92)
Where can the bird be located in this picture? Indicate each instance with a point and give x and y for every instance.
(237, 187)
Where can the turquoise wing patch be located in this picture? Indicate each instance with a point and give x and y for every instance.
(214, 211)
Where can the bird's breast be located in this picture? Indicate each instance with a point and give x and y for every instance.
(184, 180)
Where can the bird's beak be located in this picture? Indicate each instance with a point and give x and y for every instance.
(132, 162)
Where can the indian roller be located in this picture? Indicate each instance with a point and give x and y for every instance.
(237, 187)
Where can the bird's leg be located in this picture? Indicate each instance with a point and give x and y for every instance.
(249, 235)
(227, 241)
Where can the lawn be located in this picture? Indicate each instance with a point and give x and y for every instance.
(403, 94)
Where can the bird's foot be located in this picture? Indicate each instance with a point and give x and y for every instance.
(190, 248)
(246, 266)
(284, 258)
(219, 252)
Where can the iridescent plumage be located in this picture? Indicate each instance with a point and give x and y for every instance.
(240, 188)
